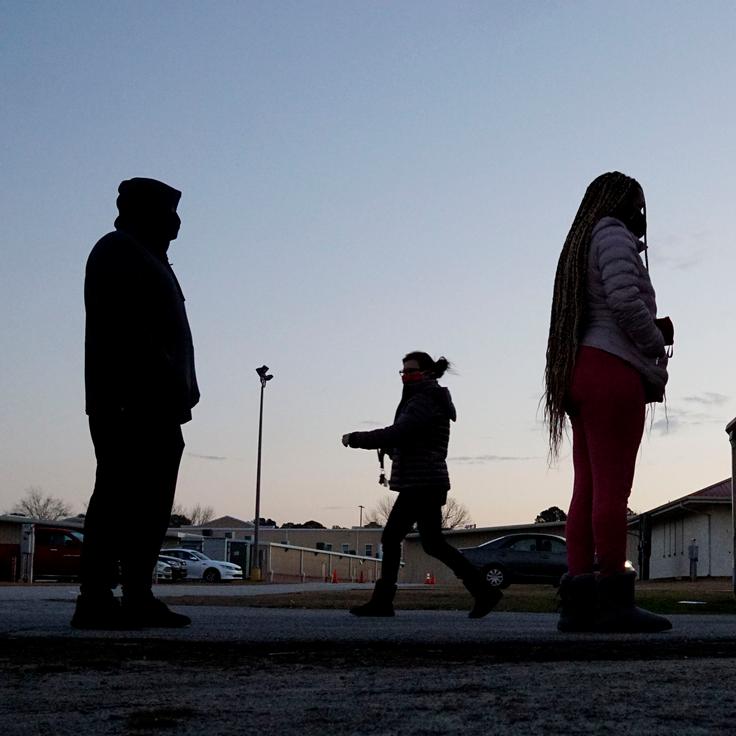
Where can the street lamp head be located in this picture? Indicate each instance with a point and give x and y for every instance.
(263, 373)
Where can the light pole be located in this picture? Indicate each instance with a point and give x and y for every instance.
(255, 570)
(357, 531)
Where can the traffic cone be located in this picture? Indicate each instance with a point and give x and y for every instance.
(334, 576)
(428, 579)
(361, 577)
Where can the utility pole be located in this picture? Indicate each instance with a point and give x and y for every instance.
(255, 570)
(357, 531)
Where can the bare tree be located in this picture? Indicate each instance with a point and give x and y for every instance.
(454, 513)
(39, 505)
(195, 516)
(201, 514)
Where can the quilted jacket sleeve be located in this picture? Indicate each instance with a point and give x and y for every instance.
(622, 276)
(410, 422)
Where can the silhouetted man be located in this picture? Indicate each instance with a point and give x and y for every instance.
(140, 387)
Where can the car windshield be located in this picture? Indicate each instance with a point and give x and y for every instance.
(198, 555)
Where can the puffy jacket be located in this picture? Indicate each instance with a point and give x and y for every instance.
(417, 440)
(139, 356)
(622, 307)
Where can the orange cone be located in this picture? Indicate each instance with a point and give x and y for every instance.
(361, 578)
(334, 577)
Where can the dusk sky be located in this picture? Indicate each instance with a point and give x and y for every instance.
(362, 179)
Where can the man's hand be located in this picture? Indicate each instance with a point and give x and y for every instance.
(346, 440)
(667, 329)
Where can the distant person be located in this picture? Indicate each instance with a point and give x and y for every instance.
(140, 387)
(606, 359)
(417, 444)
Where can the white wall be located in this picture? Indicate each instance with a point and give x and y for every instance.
(672, 534)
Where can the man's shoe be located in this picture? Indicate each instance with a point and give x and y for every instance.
(153, 613)
(102, 613)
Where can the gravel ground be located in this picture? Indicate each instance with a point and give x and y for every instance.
(153, 688)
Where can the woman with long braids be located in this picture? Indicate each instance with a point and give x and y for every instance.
(606, 359)
(417, 444)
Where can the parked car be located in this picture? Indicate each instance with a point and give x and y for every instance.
(163, 572)
(178, 567)
(520, 558)
(201, 567)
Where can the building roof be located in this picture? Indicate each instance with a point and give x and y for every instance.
(716, 493)
(719, 490)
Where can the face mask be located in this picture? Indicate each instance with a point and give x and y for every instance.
(412, 377)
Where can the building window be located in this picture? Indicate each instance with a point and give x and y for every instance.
(369, 550)
(328, 546)
(345, 548)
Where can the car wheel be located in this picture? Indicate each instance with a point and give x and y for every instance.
(211, 575)
(495, 576)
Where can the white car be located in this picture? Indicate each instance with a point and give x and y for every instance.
(163, 572)
(201, 567)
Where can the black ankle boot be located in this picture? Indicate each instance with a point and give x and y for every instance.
(617, 610)
(578, 599)
(485, 596)
(381, 603)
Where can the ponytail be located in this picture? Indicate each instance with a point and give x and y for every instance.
(435, 368)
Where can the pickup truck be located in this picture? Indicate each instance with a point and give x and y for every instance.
(56, 555)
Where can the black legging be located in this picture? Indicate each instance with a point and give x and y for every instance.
(423, 507)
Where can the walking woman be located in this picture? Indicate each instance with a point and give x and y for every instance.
(606, 359)
(417, 444)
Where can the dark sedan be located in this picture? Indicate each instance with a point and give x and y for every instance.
(520, 558)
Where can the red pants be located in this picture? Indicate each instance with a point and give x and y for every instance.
(606, 407)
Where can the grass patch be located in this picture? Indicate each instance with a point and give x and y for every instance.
(662, 597)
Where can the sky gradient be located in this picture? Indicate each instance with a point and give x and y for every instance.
(360, 180)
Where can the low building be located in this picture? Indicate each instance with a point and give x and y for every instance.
(663, 537)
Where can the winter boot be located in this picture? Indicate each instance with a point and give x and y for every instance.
(99, 611)
(381, 603)
(617, 611)
(578, 598)
(485, 596)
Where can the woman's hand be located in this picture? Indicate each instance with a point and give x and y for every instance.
(346, 440)
(667, 329)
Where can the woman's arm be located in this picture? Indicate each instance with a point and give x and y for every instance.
(410, 422)
(620, 269)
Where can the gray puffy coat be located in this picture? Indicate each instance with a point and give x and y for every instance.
(622, 306)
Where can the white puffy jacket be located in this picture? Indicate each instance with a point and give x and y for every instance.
(622, 306)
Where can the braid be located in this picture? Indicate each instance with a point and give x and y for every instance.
(569, 300)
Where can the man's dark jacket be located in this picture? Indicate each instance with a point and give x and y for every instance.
(417, 440)
(139, 357)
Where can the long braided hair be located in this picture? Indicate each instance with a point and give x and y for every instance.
(603, 197)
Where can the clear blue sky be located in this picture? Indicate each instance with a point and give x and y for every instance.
(359, 180)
